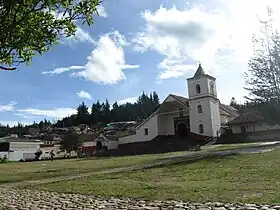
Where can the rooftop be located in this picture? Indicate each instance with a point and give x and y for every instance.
(199, 72)
(17, 139)
(246, 117)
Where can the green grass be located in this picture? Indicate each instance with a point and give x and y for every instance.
(14, 172)
(243, 178)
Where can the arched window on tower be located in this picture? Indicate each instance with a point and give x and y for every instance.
(201, 130)
(212, 88)
(198, 91)
(199, 109)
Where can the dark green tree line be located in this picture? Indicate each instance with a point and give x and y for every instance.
(102, 113)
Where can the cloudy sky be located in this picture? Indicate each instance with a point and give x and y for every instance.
(135, 46)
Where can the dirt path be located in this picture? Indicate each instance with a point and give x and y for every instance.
(189, 157)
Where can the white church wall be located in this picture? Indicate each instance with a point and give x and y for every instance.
(210, 116)
(252, 127)
(141, 135)
(161, 124)
(215, 118)
(200, 118)
(166, 124)
(204, 84)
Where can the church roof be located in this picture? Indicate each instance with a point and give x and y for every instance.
(199, 72)
(247, 117)
(181, 99)
(229, 109)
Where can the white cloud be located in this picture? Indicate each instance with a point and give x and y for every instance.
(128, 100)
(80, 36)
(62, 70)
(24, 116)
(52, 113)
(101, 11)
(8, 107)
(12, 123)
(184, 37)
(106, 63)
(84, 94)
(218, 36)
(127, 66)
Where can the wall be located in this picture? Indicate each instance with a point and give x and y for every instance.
(166, 124)
(257, 136)
(21, 149)
(55, 148)
(151, 124)
(204, 87)
(215, 118)
(209, 118)
(236, 129)
(113, 145)
(252, 127)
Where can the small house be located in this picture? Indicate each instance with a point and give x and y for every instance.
(16, 149)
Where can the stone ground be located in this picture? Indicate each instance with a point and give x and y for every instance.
(11, 198)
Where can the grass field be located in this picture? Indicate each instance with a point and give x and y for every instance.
(242, 178)
(15, 172)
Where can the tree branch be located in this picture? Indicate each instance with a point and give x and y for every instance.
(8, 68)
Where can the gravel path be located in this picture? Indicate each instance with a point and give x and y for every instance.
(33, 200)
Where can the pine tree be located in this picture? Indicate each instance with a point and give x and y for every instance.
(263, 77)
(155, 98)
(82, 114)
(106, 112)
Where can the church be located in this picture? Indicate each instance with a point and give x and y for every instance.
(180, 122)
(201, 115)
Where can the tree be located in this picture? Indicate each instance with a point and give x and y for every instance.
(32, 27)
(114, 112)
(82, 114)
(234, 103)
(155, 98)
(70, 142)
(106, 112)
(94, 114)
(263, 77)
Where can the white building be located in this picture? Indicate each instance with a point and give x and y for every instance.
(201, 114)
(16, 149)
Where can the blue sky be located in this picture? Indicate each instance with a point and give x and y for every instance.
(135, 46)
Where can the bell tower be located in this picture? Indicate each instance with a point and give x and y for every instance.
(204, 104)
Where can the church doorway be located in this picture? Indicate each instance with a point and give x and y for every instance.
(99, 146)
(182, 129)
